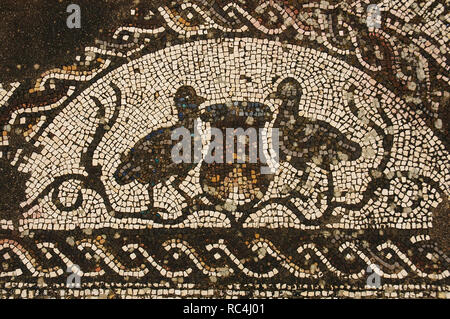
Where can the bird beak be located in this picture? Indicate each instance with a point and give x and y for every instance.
(200, 100)
(271, 96)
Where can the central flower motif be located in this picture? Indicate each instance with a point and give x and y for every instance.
(234, 175)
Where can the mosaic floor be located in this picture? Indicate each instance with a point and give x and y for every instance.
(347, 195)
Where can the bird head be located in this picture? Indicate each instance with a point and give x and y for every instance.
(187, 101)
(289, 91)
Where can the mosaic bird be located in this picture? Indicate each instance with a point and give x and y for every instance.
(149, 161)
(303, 139)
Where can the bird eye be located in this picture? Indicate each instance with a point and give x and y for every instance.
(185, 95)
